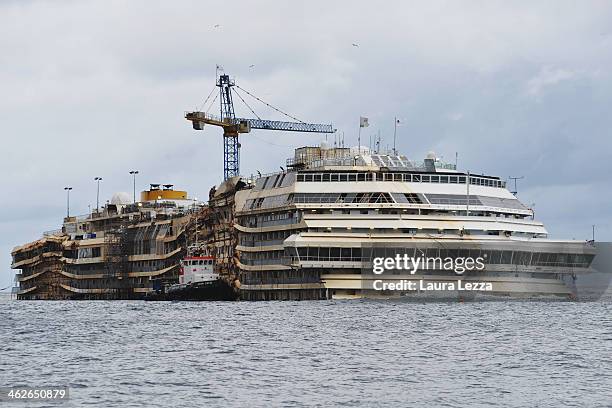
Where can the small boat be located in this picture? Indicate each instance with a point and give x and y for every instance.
(198, 281)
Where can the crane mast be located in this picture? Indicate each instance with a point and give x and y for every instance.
(233, 126)
(231, 146)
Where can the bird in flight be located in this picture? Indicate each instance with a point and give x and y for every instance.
(355, 45)
(252, 66)
(217, 26)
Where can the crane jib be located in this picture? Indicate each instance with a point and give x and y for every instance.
(288, 126)
(201, 118)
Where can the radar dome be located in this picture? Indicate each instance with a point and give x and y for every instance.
(120, 198)
(431, 155)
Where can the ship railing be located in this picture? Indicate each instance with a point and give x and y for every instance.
(252, 178)
(314, 162)
(445, 166)
(272, 223)
(294, 261)
(53, 232)
(76, 218)
(263, 243)
(260, 262)
(290, 261)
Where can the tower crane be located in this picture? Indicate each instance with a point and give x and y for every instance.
(233, 126)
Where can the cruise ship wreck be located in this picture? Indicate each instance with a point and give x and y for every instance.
(307, 233)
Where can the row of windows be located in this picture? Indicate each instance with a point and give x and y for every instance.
(150, 266)
(453, 199)
(353, 198)
(445, 179)
(262, 254)
(284, 276)
(380, 198)
(48, 247)
(426, 231)
(490, 256)
(263, 258)
(269, 219)
(401, 177)
(194, 262)
(264, 238)
(91, 252)
(137, 266)
(324, 177)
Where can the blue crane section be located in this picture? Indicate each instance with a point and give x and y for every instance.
(233, 126)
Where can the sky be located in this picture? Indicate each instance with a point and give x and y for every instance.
(98, 88)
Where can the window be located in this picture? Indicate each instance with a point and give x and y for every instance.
(313, 253)
(345, 254)
(413, 198)
(324, 254)
(334, 253)
(494, 257)
(431, 252)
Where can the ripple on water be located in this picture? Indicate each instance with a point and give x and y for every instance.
(346, 353)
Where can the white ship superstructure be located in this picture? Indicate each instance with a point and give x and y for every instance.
(304, 233)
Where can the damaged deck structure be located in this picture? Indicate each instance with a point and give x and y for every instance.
(127, 250)
(118, 252)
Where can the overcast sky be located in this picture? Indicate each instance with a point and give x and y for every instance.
(97, 88)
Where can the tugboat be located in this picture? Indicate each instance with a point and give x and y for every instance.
(198, 281)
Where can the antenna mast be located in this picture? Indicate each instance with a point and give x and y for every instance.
(515, 192)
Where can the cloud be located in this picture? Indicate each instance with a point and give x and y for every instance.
(455, 116)
(548, 77)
